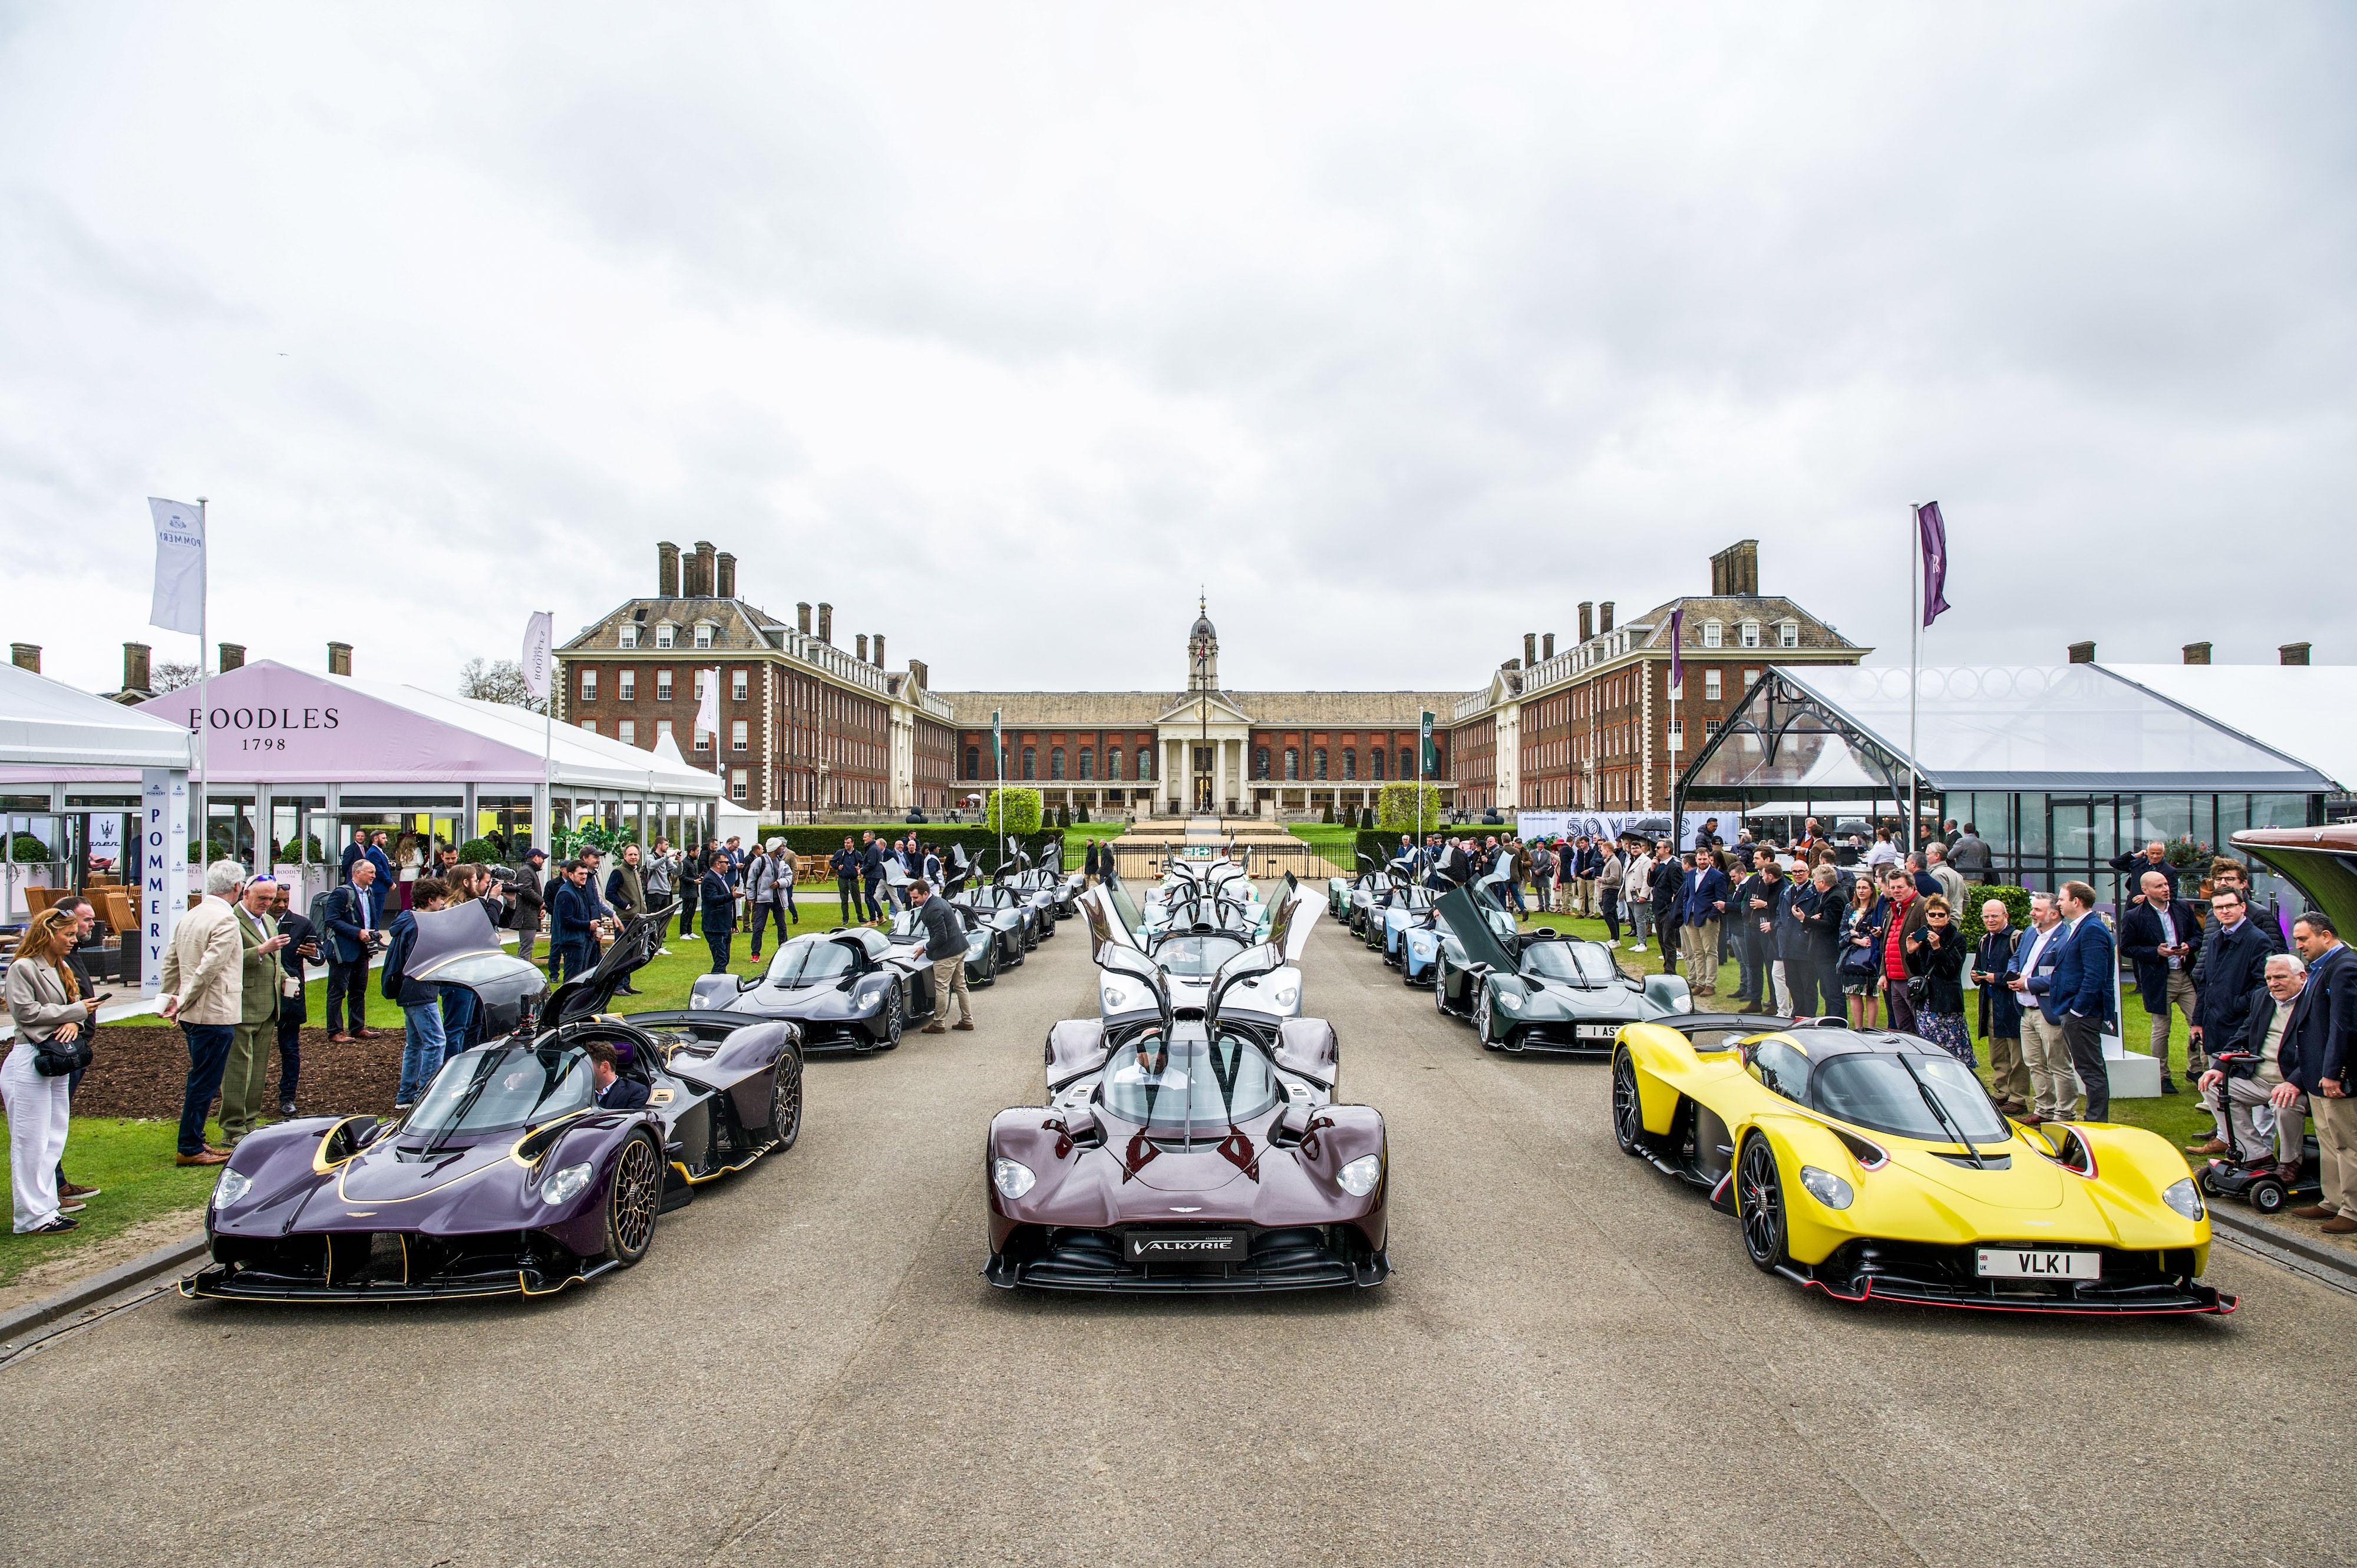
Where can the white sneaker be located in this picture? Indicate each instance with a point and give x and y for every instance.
(663, 952)
(1638, 948)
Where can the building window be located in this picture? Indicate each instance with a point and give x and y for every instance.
(1055, 762)
(662, 731)
(1292, 764)
(1112, 762)
(1677, 735)
(1088, 762)
(1145, 762)
(630, 634)
(590, 685)
(739, 684)
(1260, 762)
(628, 732)
(665, 634)
(662, 685)
(736, 784)
(703, 634)
(1788, 634)
(1350, 762)
(1710, 690)
(626, 685)
(1407, 763)
(1709, 728)
(1750, 676)
(1750, 634)
(1031, 762)
(702, 739)
(696, 684)
(1374, 762)
(1711, 634)
(740, 738)
(589, 724)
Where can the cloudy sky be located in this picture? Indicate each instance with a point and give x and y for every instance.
(1003, 326)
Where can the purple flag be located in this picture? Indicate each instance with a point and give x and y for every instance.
(1677, 637)
(1934, 537)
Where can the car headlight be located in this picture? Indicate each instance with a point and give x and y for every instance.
(1685, 1003)
(1826, 1187)
(1012, 1177)
(231, 1186)
(566, 1185)
(1115, 997)
(1509, 1001)
(699, 1002)
(1288, 996)
(2182, 1196)
(1358, 1178)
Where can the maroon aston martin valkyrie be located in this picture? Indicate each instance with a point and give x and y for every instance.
(1199, 1150)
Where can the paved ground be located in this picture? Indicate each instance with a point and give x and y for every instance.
(1574, 1363)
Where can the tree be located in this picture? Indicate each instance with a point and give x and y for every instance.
(1396, 806)
(500, 682)
(170, 676)
(1022, 810)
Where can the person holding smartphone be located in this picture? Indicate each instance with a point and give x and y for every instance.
(246, 1080)
(51, 1009)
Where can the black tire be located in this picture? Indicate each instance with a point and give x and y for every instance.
(2268, 1197)
(1439, 989)
(786, 1103)
(1484, 1016)
(1760, 1202)
(2203, 1182)
(1628, 1107)
(889, 1021)
(633, 1199)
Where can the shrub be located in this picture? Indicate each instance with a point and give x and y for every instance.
(1327, 814)
(1084, 811)
(1397, 808)
(28, 847)
(480, 852)
(1968, 918)
(1020, 809)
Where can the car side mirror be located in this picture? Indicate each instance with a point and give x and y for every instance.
(747, 982)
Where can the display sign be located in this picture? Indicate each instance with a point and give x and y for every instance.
(163, 868)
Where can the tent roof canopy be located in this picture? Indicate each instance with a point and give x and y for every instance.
(47, 724)
(1820, 731)
(2294, 709)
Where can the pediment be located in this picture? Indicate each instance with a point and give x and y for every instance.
(1190, 710)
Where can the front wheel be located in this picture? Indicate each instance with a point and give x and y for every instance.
(1628, 1107)
(1759, 1204)
(786, 1103)
(1482, 1017)
(1439, 989)
(2268, 1197)
(891, 1018)
(633, 1199)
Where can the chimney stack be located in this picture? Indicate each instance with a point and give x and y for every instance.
(2083, 653)
(1587, 619)
(232, 656)
(724, 583)
(1548, 646)
(1530, 649)
(923, 676)
(339, 658)
(1735, 571)
(135, 667)
(826, 624)
(863, 648)
(801, 619)
(879, 650)
(1511, 664)
(2197, 653)
(25, 656)
(2292, 653)
(699, 571)
(667, 569)
(1604, 611)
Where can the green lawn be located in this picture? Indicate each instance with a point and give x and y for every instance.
(132, 1163)
(1337, 843)
(2176, 1117)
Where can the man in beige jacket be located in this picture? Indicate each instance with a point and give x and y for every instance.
(202, 986)
(246, 1082)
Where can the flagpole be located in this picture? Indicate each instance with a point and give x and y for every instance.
(548, 743)
(1915, 664)
(204, 713)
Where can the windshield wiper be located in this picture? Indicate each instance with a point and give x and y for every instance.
(458, 1112)
(1933, 1099)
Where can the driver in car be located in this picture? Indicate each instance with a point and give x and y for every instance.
(614, 1092)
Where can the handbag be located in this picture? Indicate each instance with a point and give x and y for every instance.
(54, 1058)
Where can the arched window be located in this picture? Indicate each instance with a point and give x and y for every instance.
(1374, 762)
(973, 762)
(1146, 762)
(1260, 763)
(1318, 762)
(1292, 763)
(1031, 762)
(1407, 763)
(1112, 762)
(1056, 762)
(1350, 762)
(1088, 762)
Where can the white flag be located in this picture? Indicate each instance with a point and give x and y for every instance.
(707, 712)
(539, 635)
(179, 602)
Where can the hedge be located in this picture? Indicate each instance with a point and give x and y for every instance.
(825, 841)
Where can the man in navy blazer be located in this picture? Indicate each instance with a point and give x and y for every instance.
(2077, 994)
(2319, 1058)
(2159, 937)
(611, 1091)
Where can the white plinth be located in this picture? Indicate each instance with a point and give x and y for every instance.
(2134, 1076)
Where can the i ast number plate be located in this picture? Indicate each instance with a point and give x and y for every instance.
(1188, 1247)
(2019, 1264)
(1598, 1031)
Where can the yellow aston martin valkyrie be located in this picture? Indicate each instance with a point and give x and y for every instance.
(1874, 1166)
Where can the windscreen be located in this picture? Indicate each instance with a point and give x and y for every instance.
(1196, 956)
(1576, 963)
(492, 1091)
(1895, 1094)
(810, 961)
(1192, 1089)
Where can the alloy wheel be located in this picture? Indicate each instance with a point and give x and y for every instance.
(786, 1103)
(1628, 1109)
(1760, 1196)
(1482, 1015)
(631, 1202)
(892, 1017)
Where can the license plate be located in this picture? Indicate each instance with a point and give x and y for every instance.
(1598, 1031)
(1189, 1247)
(2019, 1264)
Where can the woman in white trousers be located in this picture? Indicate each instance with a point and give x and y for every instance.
(44, 1001)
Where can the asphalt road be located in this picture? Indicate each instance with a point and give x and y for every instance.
(1572, 1363)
